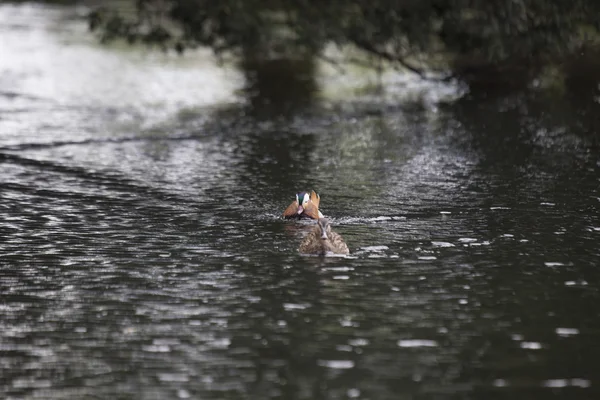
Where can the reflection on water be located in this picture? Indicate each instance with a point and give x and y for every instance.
(153, 263)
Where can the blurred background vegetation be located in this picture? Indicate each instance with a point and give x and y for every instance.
(492, 44)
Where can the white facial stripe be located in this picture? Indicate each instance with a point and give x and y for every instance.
(306, 198)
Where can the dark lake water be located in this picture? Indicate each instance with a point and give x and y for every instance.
(142, 253)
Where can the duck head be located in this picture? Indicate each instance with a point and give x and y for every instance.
(302, 199)
(324, 227)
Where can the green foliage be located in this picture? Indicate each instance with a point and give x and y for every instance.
(467, 33)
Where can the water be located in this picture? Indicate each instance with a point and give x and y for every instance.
(143, 254)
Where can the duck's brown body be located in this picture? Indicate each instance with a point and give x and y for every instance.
(322, 240)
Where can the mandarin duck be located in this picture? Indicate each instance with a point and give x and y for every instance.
(305, 206)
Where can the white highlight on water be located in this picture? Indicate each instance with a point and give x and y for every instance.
(358, 342)
(576, 283)
(442, 244)
(292, 306)
(553, 264)
(567, 331)
(560, 383)
(531, 345)
(156, 348)
(337, 364)
(173, 377)
(417, 343)
(375, 248)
